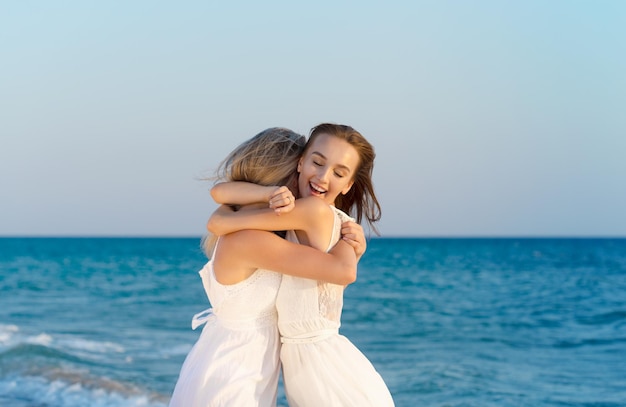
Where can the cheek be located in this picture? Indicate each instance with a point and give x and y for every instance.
(346, 187)
(305, 170)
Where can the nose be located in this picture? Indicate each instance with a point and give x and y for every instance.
(323, 174)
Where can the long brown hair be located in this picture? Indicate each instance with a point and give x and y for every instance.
(361, 198)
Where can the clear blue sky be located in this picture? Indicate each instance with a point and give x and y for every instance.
(489, 118)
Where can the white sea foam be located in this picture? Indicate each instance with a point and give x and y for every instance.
(41, 339)
(91, 346)
(73, 390)
(12, 335)
(7, 332)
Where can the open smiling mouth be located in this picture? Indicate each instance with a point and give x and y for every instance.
(316, 190)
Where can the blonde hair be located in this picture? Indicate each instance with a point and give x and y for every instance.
(269, 158)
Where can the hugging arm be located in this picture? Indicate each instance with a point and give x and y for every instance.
(310, 215)
(278, 198)
(268, 251)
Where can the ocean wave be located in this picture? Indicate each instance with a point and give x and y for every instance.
(11, 336)
(7, 332)
(606, 318)
(64, 370)
(565, 344)
(44, 355)
(25, 356)
(74, 389)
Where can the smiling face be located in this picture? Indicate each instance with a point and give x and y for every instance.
(327, 168)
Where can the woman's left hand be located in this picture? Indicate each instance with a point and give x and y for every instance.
(352, 233)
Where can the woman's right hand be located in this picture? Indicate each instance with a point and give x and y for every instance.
(281, 199)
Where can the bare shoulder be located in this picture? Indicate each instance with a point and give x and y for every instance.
(246, 237)
(314, 205)
(236, 256)
(318, 218)
(252, 248)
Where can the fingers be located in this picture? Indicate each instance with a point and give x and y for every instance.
(282, 199)
(352, 233)
(351, 242)
(352, 228)
(285, 208)
(359, 246)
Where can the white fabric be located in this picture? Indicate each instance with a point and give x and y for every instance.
(320, 366)
(235, 362)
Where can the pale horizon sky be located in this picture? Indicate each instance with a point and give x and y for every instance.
(489, 118)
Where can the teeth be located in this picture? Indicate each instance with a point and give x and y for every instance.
(315, 188)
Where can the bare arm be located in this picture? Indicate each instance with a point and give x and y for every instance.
(240, 193)
(279, 198)
(309, 215)
(265, 250)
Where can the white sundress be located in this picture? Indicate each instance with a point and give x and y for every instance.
(320, 366)
(235, 361)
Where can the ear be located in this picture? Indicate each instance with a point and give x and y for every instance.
(299, 167)
(347, 188)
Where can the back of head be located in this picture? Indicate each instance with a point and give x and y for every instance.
(361, 196)
(269, 158)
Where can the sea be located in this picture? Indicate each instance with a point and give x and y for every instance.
(446, 321)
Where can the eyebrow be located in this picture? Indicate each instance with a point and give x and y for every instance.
(324, 157)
